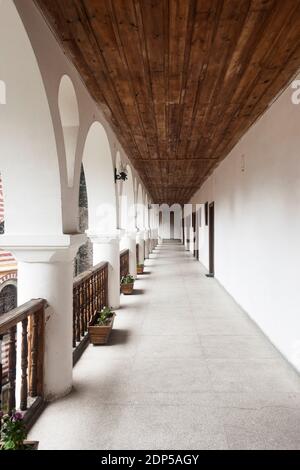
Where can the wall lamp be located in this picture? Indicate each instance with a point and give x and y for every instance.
(122, 175)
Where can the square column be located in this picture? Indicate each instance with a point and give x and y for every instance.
(129, 242)
(141, 242)
(45, 270)
(146, 242)
(106, 247)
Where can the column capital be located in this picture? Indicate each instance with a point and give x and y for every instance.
(105, 237)
(140, 234)
(42, 248)
(130, 233)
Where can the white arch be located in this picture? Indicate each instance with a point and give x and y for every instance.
(119, 165)
(140, 207)
(99, 176)
(69, 116)
(28, 157)
(119, 190)
(127, 202)
(177, 229)
(146, 213)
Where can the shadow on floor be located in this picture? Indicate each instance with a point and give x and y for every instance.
(118, 337)
(138, 291)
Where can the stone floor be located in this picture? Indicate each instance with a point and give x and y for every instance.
(185, 369)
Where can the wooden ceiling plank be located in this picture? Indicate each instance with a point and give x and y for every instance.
(180, 82)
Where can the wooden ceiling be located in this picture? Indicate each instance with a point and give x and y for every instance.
(180, 81)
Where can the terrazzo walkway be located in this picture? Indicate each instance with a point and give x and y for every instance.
(185, 369)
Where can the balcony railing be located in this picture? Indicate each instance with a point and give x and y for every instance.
(124, 263)
(90, 291)
(23, 327)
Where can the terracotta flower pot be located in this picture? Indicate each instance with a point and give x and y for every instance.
(140, 269)
(31, 445)
(99, 334)
(127, 289)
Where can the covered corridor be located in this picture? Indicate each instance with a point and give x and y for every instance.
(156, 134)
(185, 369)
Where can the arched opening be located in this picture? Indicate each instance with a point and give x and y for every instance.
(84, 257)
(176, 222)
(146, 214)
(69, 116)
(140, 208)
(100, 184)
(127, 203)
(8, 296)
(28, 157)
(120, 192)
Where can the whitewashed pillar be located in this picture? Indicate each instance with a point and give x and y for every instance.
(106, 247)
(45, 270)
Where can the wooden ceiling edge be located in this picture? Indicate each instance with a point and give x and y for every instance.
(98, 106)
(221, 159)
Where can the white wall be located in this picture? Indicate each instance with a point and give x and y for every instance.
(170, 227)
(257, 224)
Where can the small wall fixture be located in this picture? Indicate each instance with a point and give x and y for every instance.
(122, 175)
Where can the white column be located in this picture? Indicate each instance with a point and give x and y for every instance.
(129, 242)
(156, 237)
(151, 242)
(186, 236)
(106, 247)
(45, 270)
(146, 242)
(140, 241)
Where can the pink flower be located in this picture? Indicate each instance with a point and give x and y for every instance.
(17, 416)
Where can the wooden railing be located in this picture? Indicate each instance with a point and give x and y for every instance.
(137, 253)
(23, 327)
(90, 294)
(124, 263)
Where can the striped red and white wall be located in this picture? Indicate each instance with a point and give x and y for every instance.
(8, 264)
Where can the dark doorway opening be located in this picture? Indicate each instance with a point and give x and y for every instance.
(172, 225)
(194, 234)
(211, 230)
(198, 215)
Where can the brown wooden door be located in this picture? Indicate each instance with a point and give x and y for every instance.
(172, 217)
(211, 229)
(194, 232)
(197, 233)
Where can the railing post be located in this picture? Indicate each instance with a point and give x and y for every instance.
(12, 362)
(1, 369)
(25, 360)
(24, 365)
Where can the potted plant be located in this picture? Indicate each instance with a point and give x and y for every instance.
(127, 284)
(100, 327)
(13, 433)
(140, 269)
